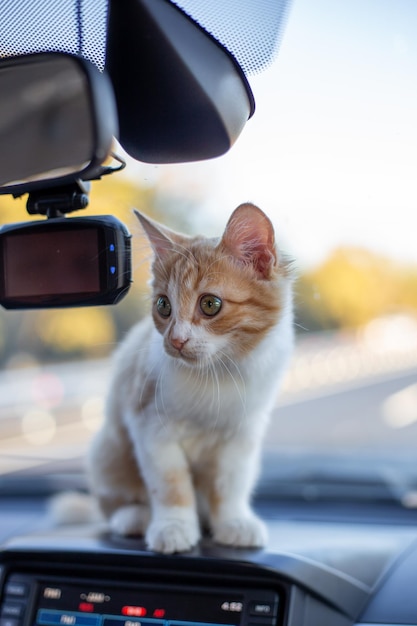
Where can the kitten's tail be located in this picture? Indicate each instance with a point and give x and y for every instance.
(74, 507)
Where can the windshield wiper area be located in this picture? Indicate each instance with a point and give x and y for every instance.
(343, 477)
(294, 484)
(44, 480)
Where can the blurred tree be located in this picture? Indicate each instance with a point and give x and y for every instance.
(407, 295)
(76, 331)
(353, 286)
(13, 209)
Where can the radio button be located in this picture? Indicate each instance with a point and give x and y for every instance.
(263, 609)
(12, 609)
(9, 621)
(16, 589)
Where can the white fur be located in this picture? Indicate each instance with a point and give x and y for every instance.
(193, 414)
(73, 507)
(187, 410)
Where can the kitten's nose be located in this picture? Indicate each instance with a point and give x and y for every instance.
(178, 343)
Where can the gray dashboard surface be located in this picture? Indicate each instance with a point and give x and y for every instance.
(339, 563)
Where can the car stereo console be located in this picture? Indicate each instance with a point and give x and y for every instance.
(95, 579)
(55, 601)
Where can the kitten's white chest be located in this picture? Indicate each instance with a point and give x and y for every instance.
(207, 400)
(223, 399)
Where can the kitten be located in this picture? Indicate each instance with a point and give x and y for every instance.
(193, 387)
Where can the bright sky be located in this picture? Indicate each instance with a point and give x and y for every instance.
(331, 153)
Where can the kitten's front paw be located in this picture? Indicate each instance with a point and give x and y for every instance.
(172, 535)
(131, 519)
(244, 532)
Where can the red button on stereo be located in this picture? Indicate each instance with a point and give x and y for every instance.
(134, 611)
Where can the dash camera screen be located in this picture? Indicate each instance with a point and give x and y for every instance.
(51, 263)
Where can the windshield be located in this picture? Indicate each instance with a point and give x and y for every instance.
(331, 157)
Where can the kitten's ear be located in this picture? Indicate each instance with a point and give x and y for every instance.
(249, 237)
(162, 239)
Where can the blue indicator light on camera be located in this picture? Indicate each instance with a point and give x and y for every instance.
(112, 248)
(112, 269)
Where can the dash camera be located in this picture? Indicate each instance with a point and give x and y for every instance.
(64, 262)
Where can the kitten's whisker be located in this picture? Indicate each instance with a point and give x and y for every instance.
(241, 392)
(215, 400)
(163, 417)
(301, 326)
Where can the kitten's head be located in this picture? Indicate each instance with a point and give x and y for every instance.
(216, 299)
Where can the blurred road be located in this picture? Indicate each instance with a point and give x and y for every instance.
(376, 412)
(341, 392)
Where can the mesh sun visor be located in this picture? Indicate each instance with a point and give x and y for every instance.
(250, 30)
(72, 26)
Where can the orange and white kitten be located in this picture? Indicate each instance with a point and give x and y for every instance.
(193, 387)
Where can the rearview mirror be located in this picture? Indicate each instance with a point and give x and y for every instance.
(57, 120)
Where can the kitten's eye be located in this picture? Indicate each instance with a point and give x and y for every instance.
(210, 305)
(163, 306)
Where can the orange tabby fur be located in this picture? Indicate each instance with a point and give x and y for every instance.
(192, 392)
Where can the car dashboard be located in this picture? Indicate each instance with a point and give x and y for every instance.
(320, 568)
(313, 572)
